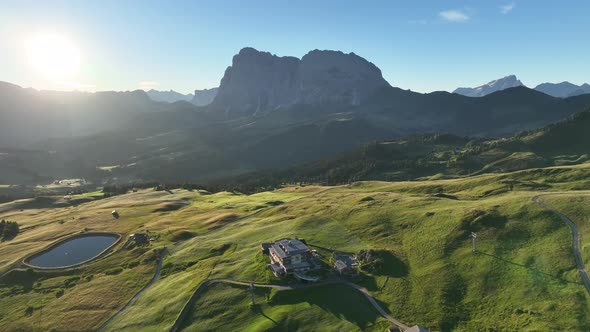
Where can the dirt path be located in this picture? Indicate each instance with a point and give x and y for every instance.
(575, 239)
(188, 306)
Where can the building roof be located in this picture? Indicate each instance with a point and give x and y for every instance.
(289, 247)
(417, 328)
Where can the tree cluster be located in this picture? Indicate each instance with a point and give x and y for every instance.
(8, 230)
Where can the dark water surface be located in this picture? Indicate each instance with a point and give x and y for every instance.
(74, 251)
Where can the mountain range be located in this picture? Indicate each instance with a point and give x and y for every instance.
(168, 96)
(270, 112)
(199, 98)
(561, 90)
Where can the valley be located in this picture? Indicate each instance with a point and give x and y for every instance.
(292, 166)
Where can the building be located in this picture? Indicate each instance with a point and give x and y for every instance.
(345, 264)
(288, 256)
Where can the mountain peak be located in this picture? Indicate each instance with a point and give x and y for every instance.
(503, 83)
(260, 81)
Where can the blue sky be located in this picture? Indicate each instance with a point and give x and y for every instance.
(186, 45)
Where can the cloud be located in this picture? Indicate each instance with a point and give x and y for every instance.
(146, 85)
(507, 8)
(454, 15)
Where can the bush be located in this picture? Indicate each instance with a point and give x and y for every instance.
(113, 271)
(71, 282)
(8, 230)
(29, 311)
(59, 293)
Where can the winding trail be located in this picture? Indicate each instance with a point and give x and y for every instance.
(575, 238)
(205, 284)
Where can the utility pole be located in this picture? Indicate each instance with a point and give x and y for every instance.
(474, 239)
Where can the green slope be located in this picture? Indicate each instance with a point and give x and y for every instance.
(440, 156)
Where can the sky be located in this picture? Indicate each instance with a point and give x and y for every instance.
(186, 45)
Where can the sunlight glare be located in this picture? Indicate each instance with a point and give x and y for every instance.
(53, 56)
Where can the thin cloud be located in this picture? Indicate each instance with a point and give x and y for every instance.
(507, 8)
(454, 16)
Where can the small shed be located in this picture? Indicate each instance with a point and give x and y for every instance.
(345, 263)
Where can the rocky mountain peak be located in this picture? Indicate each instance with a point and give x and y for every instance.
(260, 81)
(506, 82)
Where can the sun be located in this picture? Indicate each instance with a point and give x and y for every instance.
(53, 56)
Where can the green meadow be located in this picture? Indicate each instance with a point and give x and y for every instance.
(523, 276)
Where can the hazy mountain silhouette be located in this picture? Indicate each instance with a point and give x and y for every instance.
(168, 96)
(563, 89)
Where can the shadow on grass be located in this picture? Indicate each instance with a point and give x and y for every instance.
(258, 308)
(339, 300)
(558, 278)
(393, 266)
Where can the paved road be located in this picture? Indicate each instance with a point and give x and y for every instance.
(575, 239)
(188, 306)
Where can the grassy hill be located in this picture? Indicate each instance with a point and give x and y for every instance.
(523, 278)
(436, 156)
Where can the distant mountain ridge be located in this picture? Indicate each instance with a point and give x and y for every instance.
(560, 90)
(168, 96)
(563, 89)
(199, 98)
(494, 86)
(28, 115)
